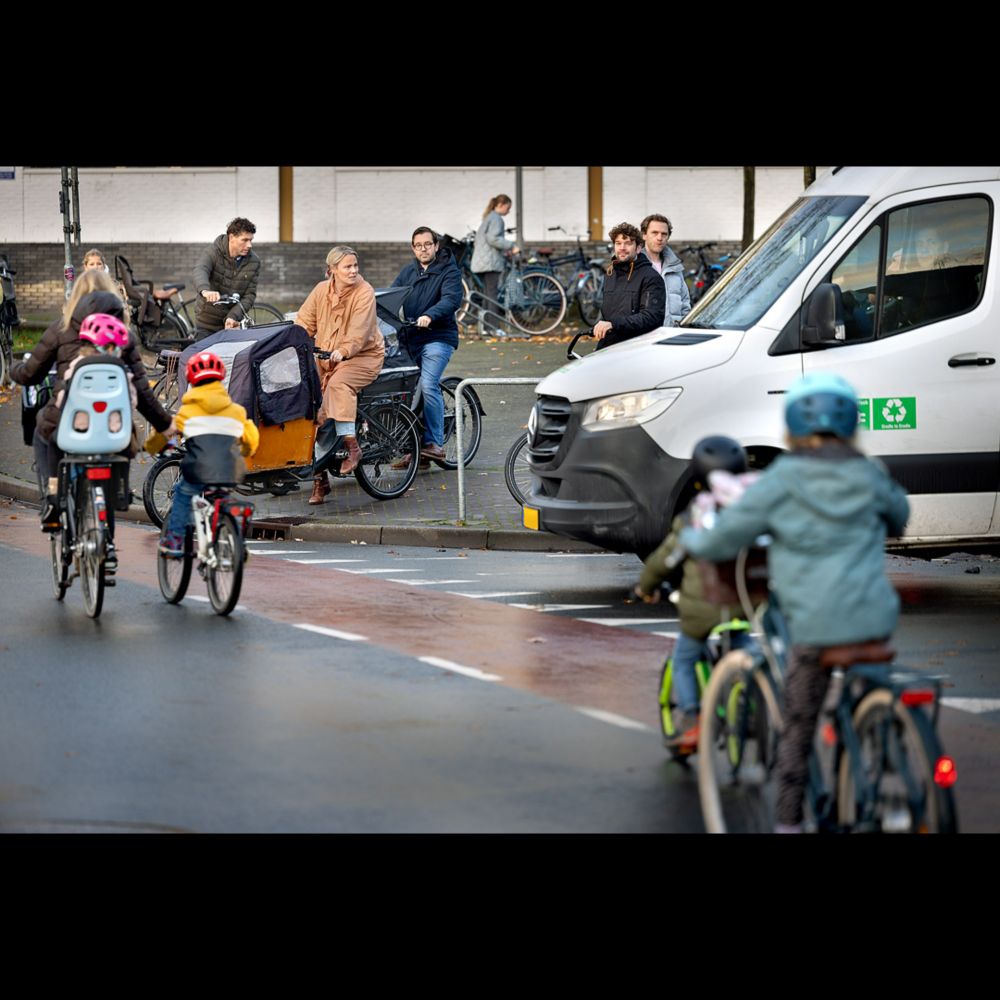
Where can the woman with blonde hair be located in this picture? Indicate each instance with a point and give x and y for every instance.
(339, 314)
(94, 260)
(93, 292)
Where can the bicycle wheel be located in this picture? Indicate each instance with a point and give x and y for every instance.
(388, 432)
(91, 536)
(226, 577)
(516, 471)
(60, 566)
(175, 574)
(590, 297)
(261, 313)
(736, 743)
(542, 304)
(899, 755)
(171, 333)
(472, 424)
(158, 488)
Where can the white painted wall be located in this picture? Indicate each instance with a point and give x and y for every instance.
(193, 205)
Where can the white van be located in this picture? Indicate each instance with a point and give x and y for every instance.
(881, 274)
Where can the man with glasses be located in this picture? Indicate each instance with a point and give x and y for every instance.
(432, 333)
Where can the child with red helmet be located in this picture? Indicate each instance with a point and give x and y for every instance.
(212, 425)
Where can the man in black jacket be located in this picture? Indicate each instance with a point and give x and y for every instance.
(431, 340)
(634, 295)
(228, 265)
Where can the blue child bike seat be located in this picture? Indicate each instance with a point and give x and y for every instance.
(96, 416)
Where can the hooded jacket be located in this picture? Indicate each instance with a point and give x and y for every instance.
(634, 300)
(217, 271)
(828, 511)
(60, 345)
(678, 296)
(436, 292)
(212, 424)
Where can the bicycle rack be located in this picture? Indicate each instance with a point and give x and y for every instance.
(501, 326)
(459, 423)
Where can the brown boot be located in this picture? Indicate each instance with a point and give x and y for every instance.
(321, 486)
(353, 459)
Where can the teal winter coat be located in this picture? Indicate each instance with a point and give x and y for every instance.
(828, 511)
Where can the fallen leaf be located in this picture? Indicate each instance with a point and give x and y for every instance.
(537, 638)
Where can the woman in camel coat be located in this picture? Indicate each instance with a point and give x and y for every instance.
(340, 315)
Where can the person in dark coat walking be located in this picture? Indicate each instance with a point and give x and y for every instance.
(229, 265)
(634, 296)
(433, 336)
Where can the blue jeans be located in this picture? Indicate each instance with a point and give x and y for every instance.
(687, 652)
(433, 358)
(180, 512)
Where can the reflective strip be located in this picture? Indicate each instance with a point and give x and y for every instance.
(229, 426)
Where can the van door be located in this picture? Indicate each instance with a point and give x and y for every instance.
(920, 344)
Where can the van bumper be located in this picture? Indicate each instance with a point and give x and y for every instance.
(616, 488)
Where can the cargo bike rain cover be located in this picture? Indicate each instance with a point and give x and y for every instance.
(270, 371)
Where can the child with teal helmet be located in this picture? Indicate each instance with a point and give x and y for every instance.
(828, 509)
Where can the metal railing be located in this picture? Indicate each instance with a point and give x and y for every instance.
(459, 435)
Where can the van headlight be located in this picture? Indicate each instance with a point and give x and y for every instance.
(628, 409)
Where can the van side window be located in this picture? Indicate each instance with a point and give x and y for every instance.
(935, 262)
(857, 278)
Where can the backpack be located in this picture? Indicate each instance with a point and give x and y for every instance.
(33, 399)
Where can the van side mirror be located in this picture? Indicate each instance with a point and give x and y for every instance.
(824, 319)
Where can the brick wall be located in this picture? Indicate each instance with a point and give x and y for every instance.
(288, 274)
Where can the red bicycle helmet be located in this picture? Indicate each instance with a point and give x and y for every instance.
(101, 329)
(204, 366)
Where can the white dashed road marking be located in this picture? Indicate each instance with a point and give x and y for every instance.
(333, 633)
(457, 668)
(976, 705)
(615, 720)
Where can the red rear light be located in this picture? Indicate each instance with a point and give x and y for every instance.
(102, 514)
(829, 734)
(699, 284)
(100, 406)
(945, 772)
(917, 698)
(99, 472)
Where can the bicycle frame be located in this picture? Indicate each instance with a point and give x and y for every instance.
(205, 514)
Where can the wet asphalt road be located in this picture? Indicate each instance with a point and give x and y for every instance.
(433, 691)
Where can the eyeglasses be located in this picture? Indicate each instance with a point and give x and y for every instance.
(422, 246)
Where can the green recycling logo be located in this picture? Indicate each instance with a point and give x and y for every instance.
(894, 413)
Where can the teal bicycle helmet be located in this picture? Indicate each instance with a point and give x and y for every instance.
(821, 403)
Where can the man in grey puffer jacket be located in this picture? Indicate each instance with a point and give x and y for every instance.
(229, 265)
(656, 230)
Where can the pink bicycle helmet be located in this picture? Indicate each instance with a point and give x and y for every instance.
(102, 329)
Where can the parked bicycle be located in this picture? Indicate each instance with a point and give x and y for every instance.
(517, 471)
(160, 318)
(9, 320)
(582, 277)
(533, 301)
(701, 278)
(215, 545)
(877, 764)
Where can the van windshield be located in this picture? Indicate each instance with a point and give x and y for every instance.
(752, 285)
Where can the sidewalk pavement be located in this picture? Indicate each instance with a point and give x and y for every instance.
(428, 512)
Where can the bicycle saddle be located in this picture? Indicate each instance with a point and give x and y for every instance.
(876, 651)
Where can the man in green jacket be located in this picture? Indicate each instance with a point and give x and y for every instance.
(229, 265)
